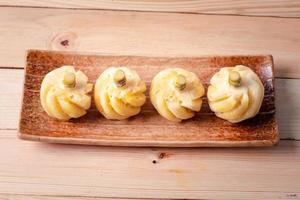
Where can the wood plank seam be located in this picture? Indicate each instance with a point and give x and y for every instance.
(149, 11)
(11, 67)
(154, 11)
(81, 196)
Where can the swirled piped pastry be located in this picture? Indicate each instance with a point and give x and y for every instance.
(119, 93)
(176, 94)
(235, 93)
(64, 93)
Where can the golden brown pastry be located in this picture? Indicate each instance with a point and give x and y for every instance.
(176, 94)
(235, 93)
(64, 93)
(119, 93)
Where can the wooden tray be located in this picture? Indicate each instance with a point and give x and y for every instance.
(148, 128)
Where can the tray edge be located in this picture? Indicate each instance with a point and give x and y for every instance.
(143, 143)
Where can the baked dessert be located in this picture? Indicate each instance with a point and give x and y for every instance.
(176, 94)
(64, 93)
(235, 93)
(119, 93)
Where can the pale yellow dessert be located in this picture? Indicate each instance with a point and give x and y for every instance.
(235, 93)
(119, 93)
(176, 94)
(64, 93)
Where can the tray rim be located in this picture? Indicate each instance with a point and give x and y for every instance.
(147, 143)
(87, 53)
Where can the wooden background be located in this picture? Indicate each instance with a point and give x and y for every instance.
(34, 171)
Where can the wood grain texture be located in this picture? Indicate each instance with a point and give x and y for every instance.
(148, 128)
(282, 8)
(288, 107)
(182, 173)
(152, 34)
(11, 82)
(32, 171)
(51, 197)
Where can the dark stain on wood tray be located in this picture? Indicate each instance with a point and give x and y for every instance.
(148, 128)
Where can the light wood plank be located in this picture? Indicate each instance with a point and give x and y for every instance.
(11, 86)
(156, 34)
(288, 107)
(287, 102)
(282, 8)
(11, 96)
(245, 173)
(49, 197)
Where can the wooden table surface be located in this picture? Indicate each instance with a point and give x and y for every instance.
(31, 170)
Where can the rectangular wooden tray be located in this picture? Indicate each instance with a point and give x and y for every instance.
(148, 128)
